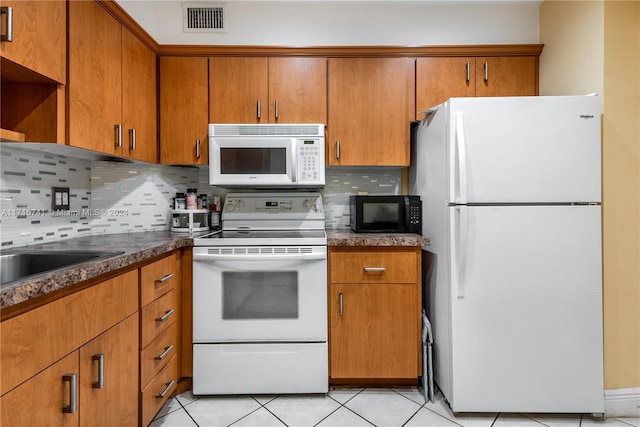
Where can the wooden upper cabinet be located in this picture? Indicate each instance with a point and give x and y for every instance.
(238, 90)
(184, 102)
(138, 99)
(507, 76)
(38, 37)
(268, 90)
(298, 90)
(112, 86)
(441, 78)
(371, 102)
(95, 78)
(438, 79)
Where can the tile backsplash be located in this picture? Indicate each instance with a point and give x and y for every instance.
(115, 197)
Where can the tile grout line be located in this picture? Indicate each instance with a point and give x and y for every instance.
(186, 410)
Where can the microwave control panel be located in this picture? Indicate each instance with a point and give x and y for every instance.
(310, 161)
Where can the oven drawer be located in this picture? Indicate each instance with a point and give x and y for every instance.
(373, 267)
(260, 368)
(158, 391)
(158, 278)
(156, 355)
(158, 316)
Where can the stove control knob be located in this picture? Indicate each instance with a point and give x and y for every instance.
(310, 203)
(229, 207)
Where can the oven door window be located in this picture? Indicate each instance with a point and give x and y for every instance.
(260, 295)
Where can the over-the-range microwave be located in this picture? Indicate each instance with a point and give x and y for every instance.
(266, 155)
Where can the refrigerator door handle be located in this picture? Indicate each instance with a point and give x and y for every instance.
(462, 159)
(459, 247)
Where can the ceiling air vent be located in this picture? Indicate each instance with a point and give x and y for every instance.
(203, 17)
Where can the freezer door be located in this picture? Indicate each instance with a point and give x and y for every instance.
(526, 295)
(524, 150)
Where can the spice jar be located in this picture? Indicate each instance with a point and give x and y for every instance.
(180, 202)
(192, 194)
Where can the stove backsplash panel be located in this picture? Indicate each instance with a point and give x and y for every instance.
(116, 197)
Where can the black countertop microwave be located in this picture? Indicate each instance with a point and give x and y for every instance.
(386, 214)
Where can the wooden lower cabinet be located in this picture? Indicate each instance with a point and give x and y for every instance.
(40, 400)
(374, 315)
(51, 398)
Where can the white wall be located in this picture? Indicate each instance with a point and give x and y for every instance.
(330, 23)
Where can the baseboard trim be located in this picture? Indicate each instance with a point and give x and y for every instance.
(622, 402)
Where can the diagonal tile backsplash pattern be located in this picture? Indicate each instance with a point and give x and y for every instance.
(109, 197)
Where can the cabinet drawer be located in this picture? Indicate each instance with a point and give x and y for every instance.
(34, 340)
(158, 316)
(373, 267)
(158, 391)
(156, 355)
(158, 277)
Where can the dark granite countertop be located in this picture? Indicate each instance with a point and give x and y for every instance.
(135, 247)
(349, 238)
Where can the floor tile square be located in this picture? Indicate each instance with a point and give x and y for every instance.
(169, 406)
(302, 411)
(427, 418)
(383, 407)
(221, 410)
(186, 398)
(344, 418)
(344, 394)
(260, 417)
(413, 393)
(178, 418)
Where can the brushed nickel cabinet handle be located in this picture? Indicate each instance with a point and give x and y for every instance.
(197, 148)
(258, 112)
(118, 135)
(165, 353)
(277, 109)
(132, 138)
(486, 71)
(374, 269)
(7, 10)
(72, 407)
(341, 303)
(165, 316)
(468, 71)
(100, 359)
(164, 279)
(338, 149)
(166, 389)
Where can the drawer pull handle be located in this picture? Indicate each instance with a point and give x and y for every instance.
(341, 303)
(100, 359)
(164, 279)
(73, 406)
(7, 10)
(165, 316)
(165, 353)
(374, 269)
(166, 389)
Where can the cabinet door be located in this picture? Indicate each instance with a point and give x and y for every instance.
(298, 90)
(507, 76)
(40, 400)
(95, 78)
(39, 37)
(374, 333)
(138, 99)
(109, 377)
(184, 104)
(238, 90)
(371, 103)
(438, 79)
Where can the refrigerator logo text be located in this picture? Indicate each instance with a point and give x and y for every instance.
(586, 116)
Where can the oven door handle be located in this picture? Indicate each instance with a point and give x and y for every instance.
(275, 257)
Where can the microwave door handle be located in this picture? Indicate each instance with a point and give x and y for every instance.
(294, 158)
(407, 210)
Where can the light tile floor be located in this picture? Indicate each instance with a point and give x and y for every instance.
(350, 407)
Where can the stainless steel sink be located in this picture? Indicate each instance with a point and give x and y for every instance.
(21, 264)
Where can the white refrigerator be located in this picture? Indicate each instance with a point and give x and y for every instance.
(511, 191)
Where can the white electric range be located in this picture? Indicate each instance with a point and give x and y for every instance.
(260, 297)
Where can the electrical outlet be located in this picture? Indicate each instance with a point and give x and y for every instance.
(59, 198)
